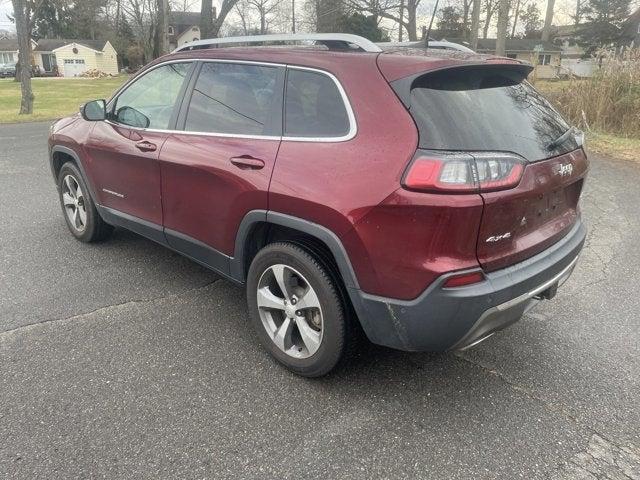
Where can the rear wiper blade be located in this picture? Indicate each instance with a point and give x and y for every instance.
(562, 138)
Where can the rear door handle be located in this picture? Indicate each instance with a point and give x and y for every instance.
(145, 146)
(247, 162)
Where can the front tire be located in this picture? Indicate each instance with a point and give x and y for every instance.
(78, 207)
(296, 310)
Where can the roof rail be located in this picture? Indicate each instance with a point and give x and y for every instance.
(331, 40)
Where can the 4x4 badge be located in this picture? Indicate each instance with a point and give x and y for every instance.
(565, 170)
(497, 238)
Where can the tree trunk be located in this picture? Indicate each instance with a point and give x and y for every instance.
(487, 23)
(465, 19)
(548, 20)
(515, 19)
(293, 16)
(162, 30)
(475, 24)
(225, 8)
(503, 20)
(206, 20)
(24, 55)
(401, 15)
(412, 8)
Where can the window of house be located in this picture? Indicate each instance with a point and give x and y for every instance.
(170, 30)
(149, 101)
(314, 106)
(233, 99)
(48, 61)
(544, 59)
(6, 57)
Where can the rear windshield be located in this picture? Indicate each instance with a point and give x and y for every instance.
(485, 109)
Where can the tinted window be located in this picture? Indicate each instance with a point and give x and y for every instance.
(485, 109)
(232, 98)
(149, 101)
(313, 106)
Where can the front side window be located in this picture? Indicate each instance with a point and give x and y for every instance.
(231, 98)
(149, 101)
(313, 106)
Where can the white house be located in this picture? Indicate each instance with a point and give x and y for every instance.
(69, 58)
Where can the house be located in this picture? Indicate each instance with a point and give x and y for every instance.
(544, 55)
(574, 56)
(184, 27)
(68, 58)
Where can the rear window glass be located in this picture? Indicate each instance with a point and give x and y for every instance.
(313, 106)
(485, 109)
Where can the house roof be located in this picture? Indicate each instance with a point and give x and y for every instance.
(182, 21)
(9, 45)
(517, 45)
(50, 44)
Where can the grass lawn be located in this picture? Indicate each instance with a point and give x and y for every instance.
(55, 98)
(618, 147)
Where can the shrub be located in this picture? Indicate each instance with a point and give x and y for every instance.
(609, 101)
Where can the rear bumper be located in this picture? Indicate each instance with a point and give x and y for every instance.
(458, 318)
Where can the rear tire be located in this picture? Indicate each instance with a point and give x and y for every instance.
(80, 213)
(304, 328)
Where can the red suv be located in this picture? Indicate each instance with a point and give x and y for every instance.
(427, 197)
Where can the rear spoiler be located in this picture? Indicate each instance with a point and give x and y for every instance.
(515, 71)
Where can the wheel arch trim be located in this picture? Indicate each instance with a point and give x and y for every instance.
(73, 154)
(323, 234)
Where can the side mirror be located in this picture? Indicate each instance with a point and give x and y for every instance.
(132, 117)
(94, 111)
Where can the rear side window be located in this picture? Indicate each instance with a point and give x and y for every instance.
(477, 109)
(313, 106)
(233, 99)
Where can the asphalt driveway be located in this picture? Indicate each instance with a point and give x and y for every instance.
(125, 360)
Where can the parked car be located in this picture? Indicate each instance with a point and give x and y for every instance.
(8, 70)
(427, 199)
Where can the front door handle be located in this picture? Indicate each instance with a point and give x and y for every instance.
(247, 162)
(145, 146)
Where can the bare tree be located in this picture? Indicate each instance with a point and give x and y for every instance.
(225, 7)
(24, 13)
(387, 8)
(466, 10)
(503, 20)
(475, 24)
(516, 13)
(548, 20)
(490, 7)
(142, 16)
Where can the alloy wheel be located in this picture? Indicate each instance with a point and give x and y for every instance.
(74, 203)
(290, 311)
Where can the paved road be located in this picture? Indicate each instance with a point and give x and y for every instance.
(124, 360)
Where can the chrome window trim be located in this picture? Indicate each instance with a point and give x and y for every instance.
(353, 127)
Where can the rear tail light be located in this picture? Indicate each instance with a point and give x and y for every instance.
(463, 172)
